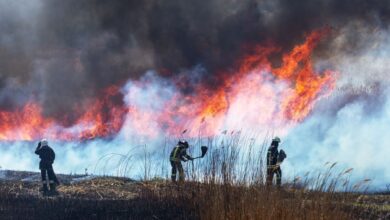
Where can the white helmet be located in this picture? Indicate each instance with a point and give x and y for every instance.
(44, 142)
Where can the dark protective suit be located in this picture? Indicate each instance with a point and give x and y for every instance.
(272, 165)
(47, 156)
(178, 154)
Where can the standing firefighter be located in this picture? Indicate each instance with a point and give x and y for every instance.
(274, 159)
(178, 154)
(47, 156)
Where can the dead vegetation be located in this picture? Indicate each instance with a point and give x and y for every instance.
(121, 198)
(227, 184)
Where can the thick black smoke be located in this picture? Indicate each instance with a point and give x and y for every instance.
(63, 53)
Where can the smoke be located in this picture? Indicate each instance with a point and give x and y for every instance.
(349, 126)
(63, 54)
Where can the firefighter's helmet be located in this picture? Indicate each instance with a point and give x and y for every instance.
(184, 144)
(276, 139)
(44, 142)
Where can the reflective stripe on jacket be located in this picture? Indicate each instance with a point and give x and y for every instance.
(175, 154)
(179, 153)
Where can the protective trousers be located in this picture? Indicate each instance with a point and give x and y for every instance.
(176, 166)
(270, 175)
(51, 180)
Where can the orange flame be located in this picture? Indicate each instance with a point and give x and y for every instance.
(308, 84)
(24, 124)
(257, 94)
(102, 119)
(207, 112)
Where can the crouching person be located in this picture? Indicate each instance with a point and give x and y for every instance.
(47, 156)
(178, 154)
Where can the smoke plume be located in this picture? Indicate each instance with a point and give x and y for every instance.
(120, 62)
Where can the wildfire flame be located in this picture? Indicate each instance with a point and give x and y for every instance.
(257, 94)
(103, 118)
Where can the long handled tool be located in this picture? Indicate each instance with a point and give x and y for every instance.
(204, 151)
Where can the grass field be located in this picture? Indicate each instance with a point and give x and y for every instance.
(228, 183)
(122, 198)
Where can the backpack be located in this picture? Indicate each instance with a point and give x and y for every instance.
(282, 155)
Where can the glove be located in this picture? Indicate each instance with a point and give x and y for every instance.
(277, 165)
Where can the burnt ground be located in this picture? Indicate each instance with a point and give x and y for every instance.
(92, 197)
(83, 197)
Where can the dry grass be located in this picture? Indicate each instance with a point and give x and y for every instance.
(227, 184)
(117, 198)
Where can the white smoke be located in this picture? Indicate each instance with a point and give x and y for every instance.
(350, 126)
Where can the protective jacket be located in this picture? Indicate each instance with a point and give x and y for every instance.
(272, 156)
(179, 153)
(47, 156)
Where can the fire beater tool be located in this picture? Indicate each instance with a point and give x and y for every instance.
(281, 157)
(204, 151)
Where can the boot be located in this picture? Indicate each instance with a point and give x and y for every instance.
(45, 190)
(173, 178)
(181, 177)
(53, 190)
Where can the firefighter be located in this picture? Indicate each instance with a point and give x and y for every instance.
(47, 156)
(178, 154)
(274, 159)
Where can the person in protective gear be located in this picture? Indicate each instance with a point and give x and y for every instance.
(274, 159)
(178, 154)
(47, 156)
